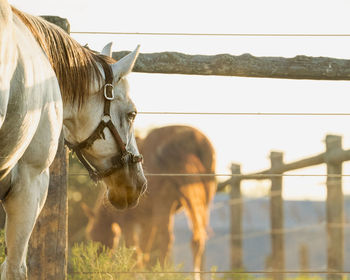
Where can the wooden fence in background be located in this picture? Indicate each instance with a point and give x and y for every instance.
(48, 248)
(333, 157)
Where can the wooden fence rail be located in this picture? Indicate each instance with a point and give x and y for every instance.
(246, 65)
(333, 157)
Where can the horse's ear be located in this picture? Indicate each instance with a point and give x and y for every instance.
(107, 50)
(124, 66)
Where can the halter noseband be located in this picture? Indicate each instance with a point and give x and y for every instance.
(119, 161)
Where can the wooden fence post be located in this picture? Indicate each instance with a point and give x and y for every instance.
(47, 252)
(304, 263)
(335, 209)
(277, 216)
(236, 208)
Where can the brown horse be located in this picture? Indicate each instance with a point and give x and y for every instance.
(149, 227)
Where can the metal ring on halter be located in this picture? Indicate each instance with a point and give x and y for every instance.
(106, 118)
(105, 92)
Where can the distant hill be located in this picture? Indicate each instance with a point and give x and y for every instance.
(304, 225)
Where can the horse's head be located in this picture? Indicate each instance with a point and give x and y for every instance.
(103, 136)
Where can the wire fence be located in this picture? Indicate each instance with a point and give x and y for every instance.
(267, 176)
(211, 34)
(216, 272)
(253, 176)
(244, 113)
(225, 274)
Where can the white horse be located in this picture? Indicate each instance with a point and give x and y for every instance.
(47, 81)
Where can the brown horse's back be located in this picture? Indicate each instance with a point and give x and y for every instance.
(165, 148)
(179, 150)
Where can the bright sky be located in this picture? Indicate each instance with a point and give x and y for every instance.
(242, 139)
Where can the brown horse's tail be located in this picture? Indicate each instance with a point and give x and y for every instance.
(206, 155)
(203, 159)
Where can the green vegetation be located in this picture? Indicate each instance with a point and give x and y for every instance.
(2, 246)
(93, 261)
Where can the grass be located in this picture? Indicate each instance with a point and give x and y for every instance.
(95, 262)
(2, 246)
(92, 261)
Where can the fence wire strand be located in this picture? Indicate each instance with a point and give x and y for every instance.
(303, 114)
(263, 176)
(212, 272)
(209, 34)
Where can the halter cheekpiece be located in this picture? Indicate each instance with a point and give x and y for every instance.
(125, 157)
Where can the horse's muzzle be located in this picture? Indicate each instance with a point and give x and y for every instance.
(126, 195)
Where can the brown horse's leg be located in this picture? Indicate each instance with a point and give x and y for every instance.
(163, 223)
(146, 239)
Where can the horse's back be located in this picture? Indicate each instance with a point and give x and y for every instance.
(179, 150)
(166, 149)
(7, 56)
(33, 119)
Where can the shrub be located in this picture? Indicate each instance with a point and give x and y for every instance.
(93, 261)
(167, 272)
(2, 246)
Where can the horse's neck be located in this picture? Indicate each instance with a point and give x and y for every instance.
(76, 119)
(79, 123)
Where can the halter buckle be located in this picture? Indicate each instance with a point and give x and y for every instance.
(125, 158)
(137, 158)
(105, 93)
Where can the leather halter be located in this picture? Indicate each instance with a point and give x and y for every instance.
(125, 157)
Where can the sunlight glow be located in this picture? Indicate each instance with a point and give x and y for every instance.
(243, 139)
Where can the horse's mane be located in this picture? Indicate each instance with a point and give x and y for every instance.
(75, 66)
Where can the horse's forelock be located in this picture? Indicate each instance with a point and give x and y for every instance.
(75, 66)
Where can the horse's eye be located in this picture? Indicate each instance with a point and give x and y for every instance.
(132, 116)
